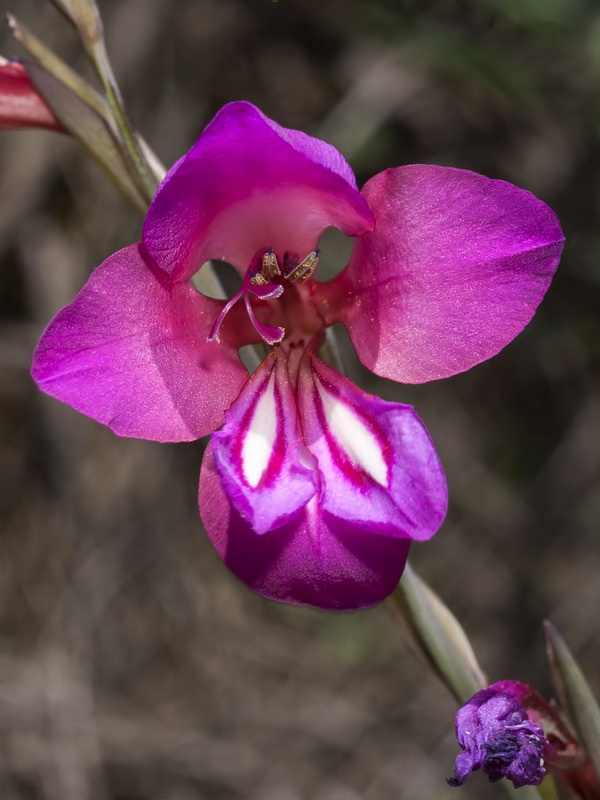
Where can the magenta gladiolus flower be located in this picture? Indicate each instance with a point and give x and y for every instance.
(312, 490)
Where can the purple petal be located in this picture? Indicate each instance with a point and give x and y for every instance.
(257, 454)
(249, 184)
(496, 736)
(315, 559)
(130, 351)
(453, 271)
(379, 467)
(561, 748)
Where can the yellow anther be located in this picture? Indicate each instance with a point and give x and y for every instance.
(303, 271)
(258, 280)
(270, 265)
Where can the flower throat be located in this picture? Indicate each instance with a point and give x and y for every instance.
(265, 284)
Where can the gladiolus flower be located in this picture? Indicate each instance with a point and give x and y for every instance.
(21, 105)
(312, 490)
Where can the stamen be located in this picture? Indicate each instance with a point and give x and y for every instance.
(270, 265)
(256, 279)
(303, 271)
(256, 284)
(260, 284)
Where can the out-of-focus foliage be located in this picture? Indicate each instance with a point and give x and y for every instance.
(132, 665)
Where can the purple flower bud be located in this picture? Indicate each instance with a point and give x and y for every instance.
(498, 737)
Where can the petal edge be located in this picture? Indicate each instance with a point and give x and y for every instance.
(142, 365)
(454, 270)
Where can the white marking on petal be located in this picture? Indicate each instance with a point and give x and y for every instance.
(260, 435)
(354, 437)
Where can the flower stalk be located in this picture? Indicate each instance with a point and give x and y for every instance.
(435, 636)
(85, 17)
(96, 50)
(87, 116)
(519, 729)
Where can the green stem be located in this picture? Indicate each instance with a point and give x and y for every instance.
(96, 50)
(435, 636)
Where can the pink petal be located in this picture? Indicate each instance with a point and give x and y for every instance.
(21, 105)
(249, 184)
(315, 559)
(378, 465)
(130, 351)
(453, 271)
(257, 454)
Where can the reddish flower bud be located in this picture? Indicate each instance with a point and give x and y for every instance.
(21, 105)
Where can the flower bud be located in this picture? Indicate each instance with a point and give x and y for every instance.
(510, 730)
(21, 105)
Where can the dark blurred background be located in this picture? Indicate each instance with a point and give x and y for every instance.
(133, 666)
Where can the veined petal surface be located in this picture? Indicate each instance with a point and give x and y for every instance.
(314, 559)
(248, 184)
(379, 469)
(452, 272)
(258, 452)
(130, 351)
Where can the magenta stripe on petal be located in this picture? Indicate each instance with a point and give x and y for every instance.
(258, 453)
(130, 351)
(315, 559)
(378, 466)
(453, 271)
(249, 184)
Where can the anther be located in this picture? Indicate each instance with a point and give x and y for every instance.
(256, 279)
(298, 273)
(270, 265)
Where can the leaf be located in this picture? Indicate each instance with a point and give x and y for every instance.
(574, 693)
(84, 15)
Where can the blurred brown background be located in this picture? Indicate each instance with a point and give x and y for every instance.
(133, 666)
